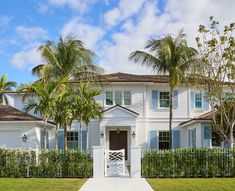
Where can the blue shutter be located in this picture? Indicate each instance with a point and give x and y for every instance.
(207, 132)
(47, 137)
(153, 139)
(42, 138)
(192, 98)
(154, 99)
(176, 139)
(205, 101)
(84, 140)
(61, 140)
(175, 99)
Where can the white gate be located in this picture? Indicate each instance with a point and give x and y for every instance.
(115, 162)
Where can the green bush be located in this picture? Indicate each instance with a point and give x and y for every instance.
(52, 163)
(188, 163)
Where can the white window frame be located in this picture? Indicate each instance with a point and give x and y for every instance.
(159, 105)
(195, 101)
(163, 140)
(190, 138)
(122, 94)
(106, 98)
(75, 141)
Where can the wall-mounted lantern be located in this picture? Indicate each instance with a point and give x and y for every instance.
(102, 135)
(133, 134)
(118, 130)
(24, 138)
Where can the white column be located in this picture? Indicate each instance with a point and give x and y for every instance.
(98, 162)
(135, 162)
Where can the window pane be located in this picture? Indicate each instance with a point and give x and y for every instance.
(118, 97)
(127, 98)
(164, 99)
(109, 98)
(164, 140)
(72, 138)
(198, 100)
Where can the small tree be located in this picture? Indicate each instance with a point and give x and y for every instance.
(216, 72)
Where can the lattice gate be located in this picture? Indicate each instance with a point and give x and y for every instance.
(115, 162)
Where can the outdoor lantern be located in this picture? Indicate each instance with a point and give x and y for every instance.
(24, 138)
(133, 134)
(102, 134)
(118, 130)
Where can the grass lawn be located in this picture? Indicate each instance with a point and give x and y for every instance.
(40, 184)
(192, 184)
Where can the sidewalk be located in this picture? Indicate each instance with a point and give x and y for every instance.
(116, 184)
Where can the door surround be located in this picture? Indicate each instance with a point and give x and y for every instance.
(121, 128)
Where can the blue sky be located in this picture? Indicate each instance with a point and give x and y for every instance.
(111, 28)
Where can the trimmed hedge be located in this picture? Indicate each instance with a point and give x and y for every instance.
(188, 163)
(52, 163)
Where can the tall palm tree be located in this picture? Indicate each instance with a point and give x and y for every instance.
(45, 95)
(168, 55)
(67, 58)
(85, 107)
(4, 87)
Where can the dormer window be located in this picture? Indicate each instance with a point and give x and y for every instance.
(118, 97)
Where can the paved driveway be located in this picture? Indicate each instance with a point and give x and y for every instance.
(116, 184)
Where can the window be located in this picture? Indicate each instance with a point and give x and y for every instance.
(216, 140)
(72, 138)
(109, 98)
(192, 138)
(164, 99)
(164, 140)
(118, 97)
(198, 100)
(127, 97)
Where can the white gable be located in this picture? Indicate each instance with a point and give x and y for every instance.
(119, 112)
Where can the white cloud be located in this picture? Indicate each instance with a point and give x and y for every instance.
(42, 7)
(78, 5)
(150, 22)
(26, 58)
(125, 9)
(89, 34)
(31, 33)
(5, 20)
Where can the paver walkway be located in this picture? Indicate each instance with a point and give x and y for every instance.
(116, 184)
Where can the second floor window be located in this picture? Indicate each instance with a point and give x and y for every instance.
(118, 97)
(109, 98)
(198, 100)
(164, 99)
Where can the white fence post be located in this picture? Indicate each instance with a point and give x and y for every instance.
(135, 162)
(98, 161)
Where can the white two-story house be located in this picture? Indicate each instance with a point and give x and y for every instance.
(136, 112)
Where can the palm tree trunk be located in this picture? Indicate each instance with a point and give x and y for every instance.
(170, 117)
(231, 136)
(56, 137)
(87, 137)
(45, 135)
(65, 139)
(80, 121)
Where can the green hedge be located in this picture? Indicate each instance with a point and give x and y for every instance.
(52, 163)
(188, 163)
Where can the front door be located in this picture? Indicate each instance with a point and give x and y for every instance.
(118, 141)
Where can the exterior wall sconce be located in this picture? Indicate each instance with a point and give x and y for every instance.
(102, 135)
(118, 130)
(133, 134)
(24, 138)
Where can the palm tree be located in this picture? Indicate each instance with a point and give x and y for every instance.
(4, 87)
(84, 106)
(67, 58)
(45, 95)
(170, 56)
